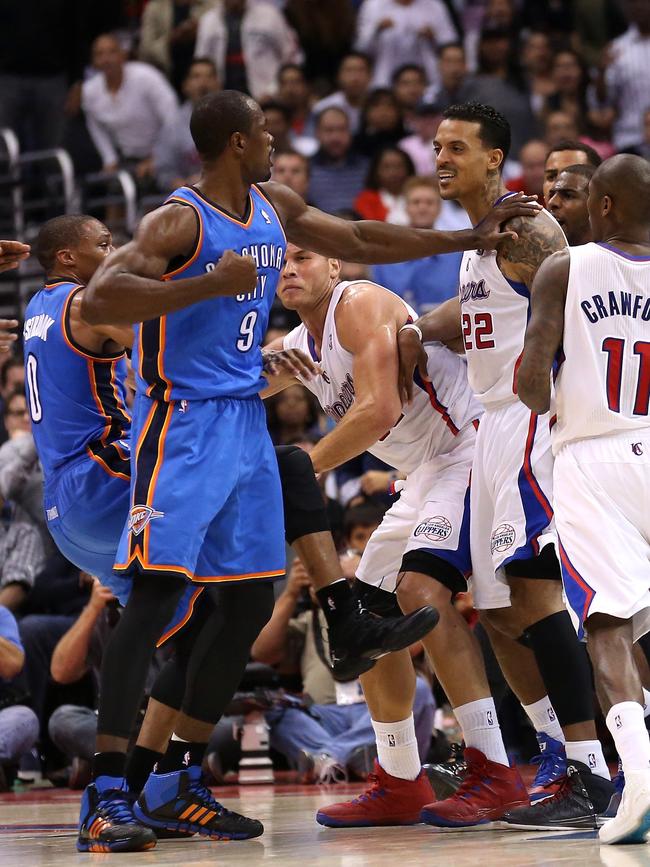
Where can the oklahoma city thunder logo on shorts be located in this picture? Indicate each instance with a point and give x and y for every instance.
(140, 516)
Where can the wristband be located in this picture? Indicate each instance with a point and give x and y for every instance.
(413, 327)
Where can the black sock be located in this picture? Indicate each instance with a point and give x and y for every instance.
(109, 765)
(139, 765)
(336, 600)
(181, 754)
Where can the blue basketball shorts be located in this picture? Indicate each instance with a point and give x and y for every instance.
(206, 500)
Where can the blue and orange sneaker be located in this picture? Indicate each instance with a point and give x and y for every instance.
(552, 768)
(106, 820)
(179, 801)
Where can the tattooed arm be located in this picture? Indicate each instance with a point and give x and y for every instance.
(537, 239)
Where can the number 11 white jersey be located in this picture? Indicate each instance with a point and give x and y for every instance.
(603, 381)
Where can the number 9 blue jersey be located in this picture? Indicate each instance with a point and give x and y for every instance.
(213, 348)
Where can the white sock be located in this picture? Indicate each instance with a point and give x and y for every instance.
(481, 730)
(397, 748)
(646, 702)
(544, 719)
(590, 753)
(625, 722)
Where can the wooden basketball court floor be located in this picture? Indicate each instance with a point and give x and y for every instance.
(37, 828)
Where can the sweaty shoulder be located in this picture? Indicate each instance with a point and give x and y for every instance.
(538, 237)
(170, 230)
(364, 307)
(288, 204)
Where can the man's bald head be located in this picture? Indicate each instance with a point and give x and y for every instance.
(619, 196)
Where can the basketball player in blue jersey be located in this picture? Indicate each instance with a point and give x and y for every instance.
(205, 496)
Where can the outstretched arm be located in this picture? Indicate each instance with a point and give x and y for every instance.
(371, 241)
(544, 333)
(128, 286)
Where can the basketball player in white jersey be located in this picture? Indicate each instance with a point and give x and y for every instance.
(515, 569)
(592, 304)
(420, 552)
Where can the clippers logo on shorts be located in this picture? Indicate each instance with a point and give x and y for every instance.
(435, 529)
(140, 516)
(503, 538)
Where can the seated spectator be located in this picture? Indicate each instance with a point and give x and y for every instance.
(409, 84)
(536, 60)
(292, 169)
(168, 35)
(278, 123)
(454, 83)
(176, 161)
(424, 122)
(381, 123)
(248, 43)
(18, 722)
(569, 86)
(360, 522)
(422, 283)
(294, 92)
(383, 198)
(532, 157)
(293, 415)
(126, 104)
(392, 30)
(337, 171)
(353, 80)
(559, 126)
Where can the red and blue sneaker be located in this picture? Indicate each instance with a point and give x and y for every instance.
(180, 801)
(552, 768)
(488, 790)
(106, 820)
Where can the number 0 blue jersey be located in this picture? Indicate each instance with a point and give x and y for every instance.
(76, 398)
(213, 348)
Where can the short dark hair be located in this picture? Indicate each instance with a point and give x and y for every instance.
(364, 515)
(360, 55)
(216, 117)
(372, 178)
(274, 105)
(494, 129)
(573, 145)
(206, 61)
(58, 233)
(295, 66)
(445, 45)
(16, 392)
(337, 108)
(290, 152)
(581, 169)
(408, 67)
(14, 361)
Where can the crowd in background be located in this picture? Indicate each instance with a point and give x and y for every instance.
(353, 93)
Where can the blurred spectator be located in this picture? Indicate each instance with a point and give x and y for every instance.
(496, 15)
(291, 168)
(568, 203)
(126, 104)
(353, 80)
(168, 34)
(536, 60)
(596, 22)
(337, 170)
(532, 158)
(18, 722)
(569, 86)
(248, 42)
(496, 55)
(294, 93)
(565, 154)
(392, 31)
(383, 197)
(627, 94)
(293, 415)
(422, 283)
(559, 126)
(360, 522)
(176, 161)
(409, 83)
(419, 146)
(324, 31)
(381, 122)
(278, 123)
(345, 482)
(12, 377)
(454, 84)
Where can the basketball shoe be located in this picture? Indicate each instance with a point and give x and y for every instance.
(387, 801)
(106, 820)
(632, 821)
(486, 792)
(179, 801)
(552, 768)
(577, 804)
(446, 777)
(361, 637)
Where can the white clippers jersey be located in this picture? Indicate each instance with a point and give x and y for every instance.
(428, 426)
(494, 316)
(603, 383)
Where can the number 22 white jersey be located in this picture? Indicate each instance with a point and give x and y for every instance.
(428, 426)
(603, 381)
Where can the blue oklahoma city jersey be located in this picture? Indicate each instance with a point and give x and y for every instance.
(76, 398)
(213, 348)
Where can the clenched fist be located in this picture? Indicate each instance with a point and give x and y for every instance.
(233, 274)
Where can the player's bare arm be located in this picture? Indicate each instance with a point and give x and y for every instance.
(372, 241)
(128, 286)
(544, 332)
(284, 367)
(518, 259)
(101, 339)
(367, 321)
